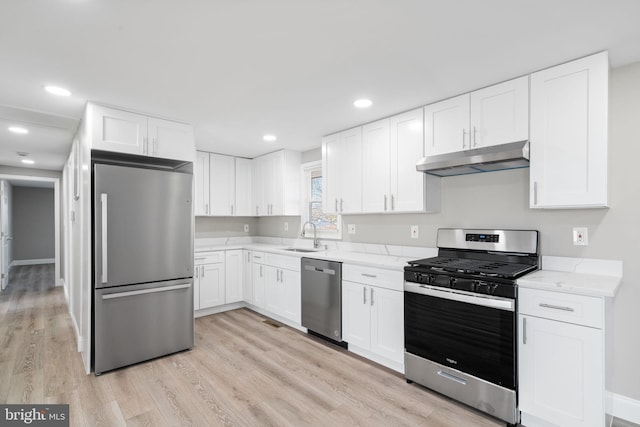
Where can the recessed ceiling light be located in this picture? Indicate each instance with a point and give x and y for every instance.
(18, 129)
(363, 103)
(55, 90)
(28, 161)
(269, 138)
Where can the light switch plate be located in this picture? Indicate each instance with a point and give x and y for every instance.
(246, 228)
(415, 231)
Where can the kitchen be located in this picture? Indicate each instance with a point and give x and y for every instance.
(509, 208)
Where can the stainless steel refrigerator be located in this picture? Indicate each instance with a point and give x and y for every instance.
(142, 262)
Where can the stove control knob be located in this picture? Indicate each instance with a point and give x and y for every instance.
(492, 288)
(482, 287)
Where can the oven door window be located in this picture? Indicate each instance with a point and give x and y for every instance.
(477, 340)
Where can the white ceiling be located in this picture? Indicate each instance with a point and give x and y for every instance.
(238, 69)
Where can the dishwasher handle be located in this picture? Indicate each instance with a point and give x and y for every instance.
(320, 270)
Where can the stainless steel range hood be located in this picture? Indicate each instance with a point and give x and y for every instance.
(484, 159)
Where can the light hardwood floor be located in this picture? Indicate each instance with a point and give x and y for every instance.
(242, 371)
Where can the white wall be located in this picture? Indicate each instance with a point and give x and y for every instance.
(33, 211)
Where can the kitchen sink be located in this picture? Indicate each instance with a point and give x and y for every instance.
(300, 250)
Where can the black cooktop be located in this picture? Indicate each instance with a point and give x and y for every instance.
(489, 268)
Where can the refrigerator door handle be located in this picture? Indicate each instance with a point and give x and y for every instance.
(103, 237)
(145, 291)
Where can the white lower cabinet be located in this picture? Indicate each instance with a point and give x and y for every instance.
(258, 279)
(373, 314)
(209, 280)
(561, 359)
(234, 268)
(282, 287)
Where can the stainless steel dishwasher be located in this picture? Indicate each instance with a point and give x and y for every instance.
(322, 298)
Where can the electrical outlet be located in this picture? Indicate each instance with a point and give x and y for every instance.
(286, 226)
(580, 236)
(415, 231)
(351, 228)
(246, 228)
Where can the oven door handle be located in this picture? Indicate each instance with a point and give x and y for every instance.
(476, 299)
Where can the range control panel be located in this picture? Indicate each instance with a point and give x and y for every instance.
(488, 238)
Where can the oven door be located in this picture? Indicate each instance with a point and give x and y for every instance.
(468, 332)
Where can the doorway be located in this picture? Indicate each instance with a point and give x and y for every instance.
(9, 185)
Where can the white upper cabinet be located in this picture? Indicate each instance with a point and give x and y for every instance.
(276, 183)
(201, 179)
(170, 140)
(127, 132)
(342, 169)
(494, 115)
(221, 184)
(390, 183)
(500, 113)
(244, 187)
(446, 126)
(569, 117)
(376, 168)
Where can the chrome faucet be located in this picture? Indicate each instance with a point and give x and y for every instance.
(316, 242)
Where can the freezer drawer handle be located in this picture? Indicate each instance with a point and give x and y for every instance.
(452, 377)
(103, 204)
(146, 291)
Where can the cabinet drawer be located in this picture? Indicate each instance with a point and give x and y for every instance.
(257, 257)
(577, 309)
(208, 257)
(383, 278)
(282, 261)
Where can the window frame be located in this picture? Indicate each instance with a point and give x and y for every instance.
(307, 172)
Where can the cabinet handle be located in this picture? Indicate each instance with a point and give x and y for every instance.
(200, 259)
(202, 274)
(475, 142)
(231, 209)
(524, 330)
(260, 271)
(337, 205)
(371, 297)
(257, 210)
(197, 272)
(535, 192)
(373, 276)
(155, 146)
(341, 205)
(385, 202)
(364, 295)
(248, 257)
(145, 148)
(556, 307)
(464, 133)
(393, 207)
(206, 208)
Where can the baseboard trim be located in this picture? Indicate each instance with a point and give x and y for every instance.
(32, 261)
(623, 407)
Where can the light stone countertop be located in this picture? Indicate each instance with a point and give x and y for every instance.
(590, 277)
(371, 255)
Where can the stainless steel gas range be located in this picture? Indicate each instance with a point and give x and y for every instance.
(460, 317)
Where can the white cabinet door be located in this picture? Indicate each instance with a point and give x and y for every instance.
(292, 295)
(222, 178)
(387, 323)
(500, 113)
(212, 285)
(170, 140)
(446, 126)
(356, 323)
(273, 292)
(117, 130)
(561, 374)
(244, 188)
(376, 167)
(258, 277)
(201, 178)
(569, 105)
(234, 267)
(247, 277)
(407, 147)
(342, 168)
